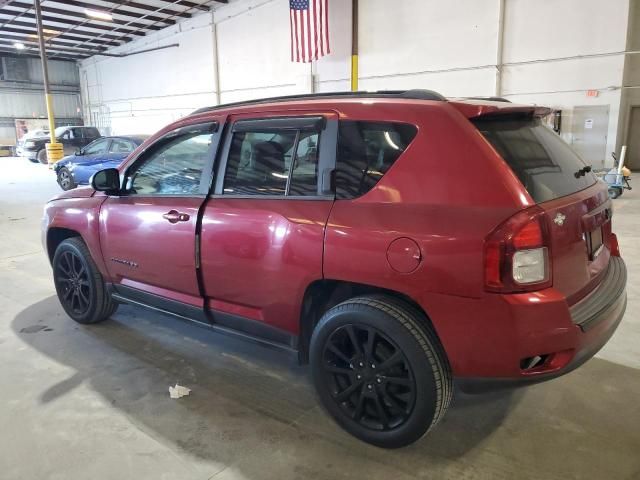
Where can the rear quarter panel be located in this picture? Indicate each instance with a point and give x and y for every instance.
(446, 192)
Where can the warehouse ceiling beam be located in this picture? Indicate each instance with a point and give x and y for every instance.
(127, 13)
(197, 6)
(48, 38)
(83, 34)
(134, 27)
(68, 21)
(11, 52)
(25, 39)
(150, 8)
(33, 47)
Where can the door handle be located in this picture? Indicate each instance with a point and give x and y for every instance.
(173, 216)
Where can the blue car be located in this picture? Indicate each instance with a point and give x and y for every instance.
(106, 152)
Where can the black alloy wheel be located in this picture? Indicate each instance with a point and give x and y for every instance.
(73, 279)
(369, 377)
(379, 370)
(79, 284)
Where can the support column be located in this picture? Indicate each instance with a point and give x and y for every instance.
(354, 45)
(499, 59)
(54, 149)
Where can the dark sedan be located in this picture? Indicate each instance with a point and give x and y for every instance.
(106, 152)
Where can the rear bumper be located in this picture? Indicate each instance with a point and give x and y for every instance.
(507, 330)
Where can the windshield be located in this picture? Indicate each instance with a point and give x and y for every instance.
(547, 167)
(59, 131)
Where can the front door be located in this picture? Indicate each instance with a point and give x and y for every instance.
(263, 228)
(590, 126)
(148, 235)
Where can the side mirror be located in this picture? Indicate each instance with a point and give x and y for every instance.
(78, 151)
(107, 180)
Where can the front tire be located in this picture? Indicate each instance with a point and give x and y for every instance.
(79, 284)
(65, 179)
(380, 370)
(42, 156)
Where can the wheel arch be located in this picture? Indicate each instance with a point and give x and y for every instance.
(321, 295)
(57, 235)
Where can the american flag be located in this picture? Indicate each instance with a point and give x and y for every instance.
(309, 29)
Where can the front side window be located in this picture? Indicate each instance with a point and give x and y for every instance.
(96, 148)
(273, 163)
(175, 167)
(366, 150)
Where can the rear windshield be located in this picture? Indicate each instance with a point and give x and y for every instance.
(547, 167)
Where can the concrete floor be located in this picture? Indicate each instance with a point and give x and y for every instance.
(92, 402)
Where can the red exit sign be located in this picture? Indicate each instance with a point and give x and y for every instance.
(592, 93)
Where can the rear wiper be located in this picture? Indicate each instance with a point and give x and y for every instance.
(583, 171)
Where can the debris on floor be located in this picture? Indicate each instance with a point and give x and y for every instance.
(178, 391)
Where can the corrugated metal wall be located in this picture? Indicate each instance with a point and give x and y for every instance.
(25, 99)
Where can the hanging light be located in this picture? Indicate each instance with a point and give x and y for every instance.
(98, 14)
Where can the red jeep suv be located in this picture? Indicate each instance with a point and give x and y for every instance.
(393, 240)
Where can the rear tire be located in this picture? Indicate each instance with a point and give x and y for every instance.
(380, 371)
(65, 179)
(42, 156)
(79, 284)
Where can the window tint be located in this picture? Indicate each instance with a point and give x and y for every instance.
(121, 146)
(174, 168)
(76, 132)
(543, 162)
(366, 150)
(260, 163)
(97, 147)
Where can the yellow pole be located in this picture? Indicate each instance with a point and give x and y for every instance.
(354, 73)
(354, 45)
(52, 123)
(54, 149)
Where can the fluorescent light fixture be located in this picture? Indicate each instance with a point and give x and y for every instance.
(47, 33)
(100, 15)
(19, 45)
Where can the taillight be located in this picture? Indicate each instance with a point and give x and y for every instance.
(516, 254)
(614, 246)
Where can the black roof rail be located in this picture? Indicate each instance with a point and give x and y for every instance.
(406, 94)
(491, 99)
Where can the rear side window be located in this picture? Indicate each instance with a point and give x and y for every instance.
(91, 132)
(366, 150)
(273, 163)
(547, 167)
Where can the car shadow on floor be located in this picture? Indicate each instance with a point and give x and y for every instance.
(244, 396)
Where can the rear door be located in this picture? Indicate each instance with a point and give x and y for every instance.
(576, 203)
(263, 226)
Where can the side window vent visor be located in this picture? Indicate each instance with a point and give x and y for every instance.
(315, 124)
(194, 129)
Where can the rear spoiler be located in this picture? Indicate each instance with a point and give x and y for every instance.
(474, 109)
